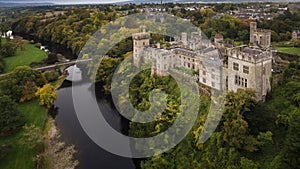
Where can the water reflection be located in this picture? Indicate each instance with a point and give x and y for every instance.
(89, 154)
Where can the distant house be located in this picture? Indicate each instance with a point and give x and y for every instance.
(8, 34)
(293, 6)
(296, 34)
(44, 48)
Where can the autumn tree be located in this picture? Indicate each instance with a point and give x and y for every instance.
(47, 95)
(28, 92)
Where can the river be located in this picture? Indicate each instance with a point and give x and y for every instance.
(89, 155)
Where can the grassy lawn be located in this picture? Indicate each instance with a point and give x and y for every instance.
(289, 50)
(20, 157)
(24, 58)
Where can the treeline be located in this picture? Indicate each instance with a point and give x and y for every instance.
(282, 26)
(75, 26)
(22, 85)
(71, 29)
(238, 29)
(8, 48)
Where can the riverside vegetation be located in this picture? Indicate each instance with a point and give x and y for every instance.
(28, 137)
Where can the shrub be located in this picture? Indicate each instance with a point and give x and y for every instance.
(51, 75)
(11, 119)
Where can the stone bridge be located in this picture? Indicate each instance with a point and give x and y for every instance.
(61, 66)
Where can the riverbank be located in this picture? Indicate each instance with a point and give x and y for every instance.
(22, 154)
(56, 154)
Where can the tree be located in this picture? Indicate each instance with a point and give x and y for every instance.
(14, 83)
(52, 58)
(51, 75)
(8, 49)
(4, 148)
(47, 95)
(293, 139)
(28, 92)
(11, 119)
(248, 164)
(2, 65)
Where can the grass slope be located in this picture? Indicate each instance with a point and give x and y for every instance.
(289, 50)
(20, 157)
(24, 58)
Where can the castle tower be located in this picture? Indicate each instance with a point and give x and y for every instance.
(249, 68)
(259, 37)
(184, 38)
(253, 30)
(218, 39)
(140, 42)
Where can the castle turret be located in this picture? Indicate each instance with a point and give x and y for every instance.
(184, 39)
(259, 37)
(218, 39)
(253, 29)
(140, 42)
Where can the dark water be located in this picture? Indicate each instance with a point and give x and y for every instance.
(90, 155)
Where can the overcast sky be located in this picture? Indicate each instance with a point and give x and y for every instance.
(66, 1)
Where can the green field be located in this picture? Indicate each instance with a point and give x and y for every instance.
(24, 58)
(289, 50)
(19, 156)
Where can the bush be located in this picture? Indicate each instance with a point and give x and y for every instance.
(2, 65)
(7, 50)
(13, 84)
(11, 119)
(51, 75)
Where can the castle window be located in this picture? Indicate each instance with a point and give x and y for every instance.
(235, 66)
(226, 83)
(242, 82)
(246, 69)
(204, 73)
(213, 84)
(213, 70)
(212, 76)
(239, 81)
(135, 43)
(236, 79)
(144, 43)
(204, 80)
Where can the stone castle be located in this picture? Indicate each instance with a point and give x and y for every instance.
(219, 65)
